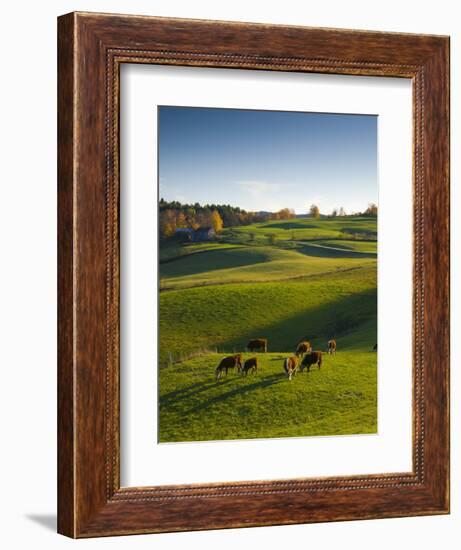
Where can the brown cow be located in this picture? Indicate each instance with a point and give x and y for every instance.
(250, 365)
(290, 365)
(311, 359)
(303, 347)
(239, 358)
(331, 346)
(258, 344)
(229, 362)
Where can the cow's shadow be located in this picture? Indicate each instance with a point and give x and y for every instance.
(174, 397)
(266, 382)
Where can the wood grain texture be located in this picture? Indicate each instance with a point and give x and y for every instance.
(91, 49)
(66, 487)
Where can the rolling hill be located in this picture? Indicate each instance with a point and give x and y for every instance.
(317, 279)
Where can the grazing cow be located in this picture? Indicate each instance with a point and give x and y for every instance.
(375, 347)
(239, 358)
(250, 365)
(312, 358)
(290, 365)
(258, 344)
(229, 362)
(331, 346)
(303, 347)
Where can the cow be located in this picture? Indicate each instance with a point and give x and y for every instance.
(239, 363)
(331, 347)
(302, 348)
(312, 358)
(250, 365)
(375, 347)
(229, 362)
(258, 344)
(290, 365)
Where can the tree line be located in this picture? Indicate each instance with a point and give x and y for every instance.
(370, 212)
(175, 215)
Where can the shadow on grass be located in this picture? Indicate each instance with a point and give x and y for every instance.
(337, 319)
(289, 225)
(172, 398)
(264, 383)
(357, 230)
(325, 252)
(211, 260)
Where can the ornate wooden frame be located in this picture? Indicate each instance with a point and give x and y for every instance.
(91, 49)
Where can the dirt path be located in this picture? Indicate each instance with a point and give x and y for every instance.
(348, 250)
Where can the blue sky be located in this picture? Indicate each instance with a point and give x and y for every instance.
(267, 160)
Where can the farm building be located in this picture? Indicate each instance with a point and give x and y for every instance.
(185, 232)
(203, 234)
(200, 234)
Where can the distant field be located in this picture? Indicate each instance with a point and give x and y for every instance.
(174, 248)
(252, 264)
(315, 278)
(227, 316)
(358, 246)
(307, 229)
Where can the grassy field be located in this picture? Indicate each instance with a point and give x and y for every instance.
(256, 264)
(367, 247)
(316, 280)
(307, 229)
(339, 399)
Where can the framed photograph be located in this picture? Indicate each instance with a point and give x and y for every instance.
(253, 275)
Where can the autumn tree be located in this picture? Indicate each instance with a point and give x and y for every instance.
(167, 223)
(314, 211)
(286, 214)
(216, 221)
(203, 219)
(372, 210)
(195, 215)
(334, 212)
(189, 212)
(181, 220)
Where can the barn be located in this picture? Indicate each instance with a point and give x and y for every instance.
(197, 235)
(184, 232)
(203, 234)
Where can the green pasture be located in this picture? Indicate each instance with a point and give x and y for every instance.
(338, 399)
(227, 316)
(174, 248)
(317, 279)
(256, 264)
(356, 228)
(350, 245)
